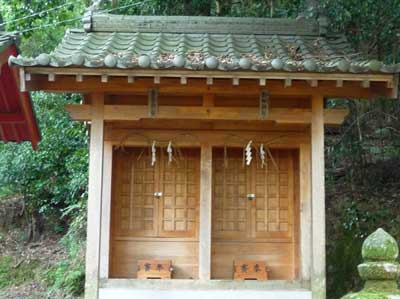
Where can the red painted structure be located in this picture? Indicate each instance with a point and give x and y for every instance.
(17, 118)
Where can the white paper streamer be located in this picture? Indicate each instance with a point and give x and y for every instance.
(248, 153)
(262, 155)
(153, 153)
(169, 151)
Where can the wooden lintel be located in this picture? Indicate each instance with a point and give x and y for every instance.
(172, 86)
(279, 115)
(287, 139)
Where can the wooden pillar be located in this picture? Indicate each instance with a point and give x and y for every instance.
(318, 279)
(305, 212)
(106, 210)
(95, 197)
(205, 213)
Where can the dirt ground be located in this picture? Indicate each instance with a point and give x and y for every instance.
(44, 254)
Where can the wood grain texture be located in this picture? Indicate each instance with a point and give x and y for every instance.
(137, 112)
(205, 213)
(118, 83)
(262, 229)
(278, 258)
(318, 279)
(106, 211)
(137, 212)
(95, 198)
(126, 254)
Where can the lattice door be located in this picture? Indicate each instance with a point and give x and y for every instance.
(269, 214)
(231, 184)
(272, 208)
(180, 184)
(137, 212)
(134, 183)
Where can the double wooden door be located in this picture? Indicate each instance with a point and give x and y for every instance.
(159, 200)
(255, 201)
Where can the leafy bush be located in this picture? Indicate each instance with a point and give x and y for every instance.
(68, 275)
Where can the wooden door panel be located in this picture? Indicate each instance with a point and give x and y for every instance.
(133, 193)
(273, 205)
(230, 213)
(180, 185)
(270, 213)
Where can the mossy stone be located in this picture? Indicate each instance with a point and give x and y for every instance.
(379, 270)
(380, 246)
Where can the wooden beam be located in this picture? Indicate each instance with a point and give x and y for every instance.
(208, 100)
(305, 212)
(95, 197)
(318, 277)
(171, 73)
(205, 213)
(106, 211)
(288, 139)
(279, 115)
(195, 87)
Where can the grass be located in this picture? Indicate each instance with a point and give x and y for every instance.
(16, 274)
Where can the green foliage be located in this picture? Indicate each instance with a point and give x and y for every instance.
(54, 177)
(16, 274)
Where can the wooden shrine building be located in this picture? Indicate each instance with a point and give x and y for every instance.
(206, 149)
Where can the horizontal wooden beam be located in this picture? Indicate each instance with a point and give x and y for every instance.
(197, 86)
(212, 74)
(278, 115)
(11, 118)
(239, 138)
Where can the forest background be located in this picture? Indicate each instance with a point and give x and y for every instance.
(43, 193)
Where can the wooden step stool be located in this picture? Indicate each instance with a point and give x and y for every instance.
(250, 270)
(154, 269)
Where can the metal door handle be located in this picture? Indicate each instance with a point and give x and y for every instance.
(157, 194)
(251, 196)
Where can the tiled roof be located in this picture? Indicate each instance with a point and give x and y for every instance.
(198, 43)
